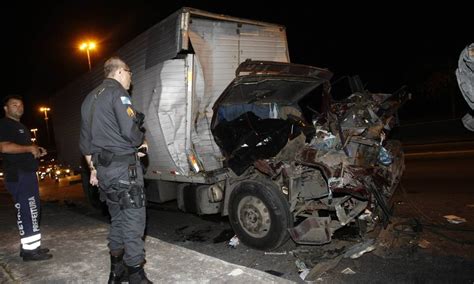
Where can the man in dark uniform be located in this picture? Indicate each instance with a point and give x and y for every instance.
(20, 166)
(465, 76)
(111, 134)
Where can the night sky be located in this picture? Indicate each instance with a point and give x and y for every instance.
(387, 45)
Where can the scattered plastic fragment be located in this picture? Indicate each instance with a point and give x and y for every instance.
(302, 268)
(322, 267)
(301, 265)
(348, 271)
(304, 273)
(359, 249)
(234, 241)
(275, 253)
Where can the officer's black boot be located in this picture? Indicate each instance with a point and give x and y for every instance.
(118, 273)
(40, 251)
(137, 275)
(35, 255)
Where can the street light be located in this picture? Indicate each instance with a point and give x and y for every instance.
(87, 46)
(45, 110)
(34, 134)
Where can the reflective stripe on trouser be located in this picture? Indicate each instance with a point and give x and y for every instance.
(127, 225)
(27, 202)
(31, 243)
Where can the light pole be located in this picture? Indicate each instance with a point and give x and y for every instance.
(45, 110)
(87, 46)
(34, 134)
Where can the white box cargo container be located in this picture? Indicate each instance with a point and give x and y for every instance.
(180, 67)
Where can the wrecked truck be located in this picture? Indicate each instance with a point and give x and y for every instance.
(304, 179)
(244, 149)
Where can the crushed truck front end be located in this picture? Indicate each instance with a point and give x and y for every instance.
(337, 171)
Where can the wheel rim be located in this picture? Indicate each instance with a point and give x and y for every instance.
(254, 216)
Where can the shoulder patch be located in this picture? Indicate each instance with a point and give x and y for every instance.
(125, 100)
(130, 112)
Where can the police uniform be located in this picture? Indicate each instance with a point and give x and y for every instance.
(22, 183)
(111, 133)
(465, 77)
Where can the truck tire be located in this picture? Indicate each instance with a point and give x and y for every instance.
(259, 214)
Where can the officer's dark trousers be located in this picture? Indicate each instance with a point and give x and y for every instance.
(127, 224)
(26, 196)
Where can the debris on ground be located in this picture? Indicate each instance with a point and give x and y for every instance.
(359, 249)
(453, 219)
(234, 241)
(321, 268)
(275, 253)
(303, 270)
(424, 244)
(348, 271)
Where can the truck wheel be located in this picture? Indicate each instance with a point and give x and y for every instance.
(259, 214)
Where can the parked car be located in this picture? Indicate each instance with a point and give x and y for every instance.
(61, 171)
(46, 166)
(42, 172)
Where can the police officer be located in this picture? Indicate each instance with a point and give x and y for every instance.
(111, 134)
(20, 166)
(465, 76)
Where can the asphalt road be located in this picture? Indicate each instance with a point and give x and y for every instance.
(437, 182)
